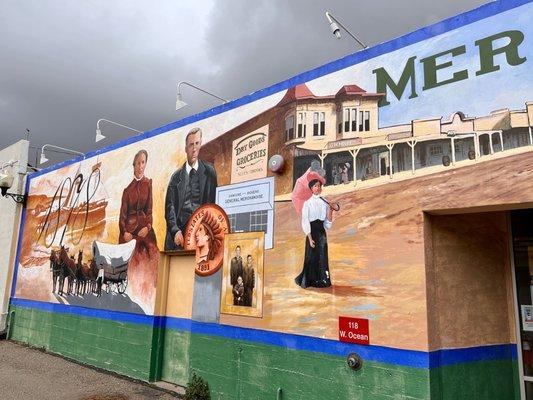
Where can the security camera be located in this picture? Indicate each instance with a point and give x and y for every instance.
(6, 181)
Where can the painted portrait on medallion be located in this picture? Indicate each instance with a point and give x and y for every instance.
(205, 232)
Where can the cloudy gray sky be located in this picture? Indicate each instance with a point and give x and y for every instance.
(65, 64)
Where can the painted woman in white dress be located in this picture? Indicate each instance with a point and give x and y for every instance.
(316, 218)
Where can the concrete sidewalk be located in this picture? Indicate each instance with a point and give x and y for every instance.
(27, 373)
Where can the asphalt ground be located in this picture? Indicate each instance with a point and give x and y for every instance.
(28, 373)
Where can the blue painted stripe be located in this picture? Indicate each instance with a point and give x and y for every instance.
(443, 357)
(419, 35)
(388, 355)
(85, 311)
(382, 354)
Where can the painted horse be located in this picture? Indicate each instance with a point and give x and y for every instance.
(55, 267)
(69, 268)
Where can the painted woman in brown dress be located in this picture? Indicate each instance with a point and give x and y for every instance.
(135, 220)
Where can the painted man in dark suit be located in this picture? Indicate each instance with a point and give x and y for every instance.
(236, 271)
(248, 279)
(190, 186)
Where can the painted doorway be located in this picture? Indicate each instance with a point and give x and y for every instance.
(522, 258)
(179, 276)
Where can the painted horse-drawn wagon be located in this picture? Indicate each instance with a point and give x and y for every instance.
(112, 261)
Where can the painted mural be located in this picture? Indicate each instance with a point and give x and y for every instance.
(242, 278)
(368, 149)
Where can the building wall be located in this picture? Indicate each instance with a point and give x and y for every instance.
(378, 251)
(10, 213)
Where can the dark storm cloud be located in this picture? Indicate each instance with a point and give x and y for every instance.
(64, 65)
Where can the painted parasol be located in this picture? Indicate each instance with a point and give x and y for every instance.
(301, 191)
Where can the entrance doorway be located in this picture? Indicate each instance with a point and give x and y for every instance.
(522, 257)
(470, 300)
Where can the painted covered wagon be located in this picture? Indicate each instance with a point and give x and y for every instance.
(112, 262)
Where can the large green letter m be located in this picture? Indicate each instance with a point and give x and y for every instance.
(384, 81)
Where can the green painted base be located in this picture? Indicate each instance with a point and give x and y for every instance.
(238, 369)
(243, 370)
(113, 346)
(490, 380)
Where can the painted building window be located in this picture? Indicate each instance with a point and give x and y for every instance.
(289, 127)
(354, 119)
(319, 124)
(364, 121)
(232, 222)
(258, 221)
(435, 150)
(523, 139)
(367, 121)
(301, 125)
(252, 221)
(350, 119)
(346, 120)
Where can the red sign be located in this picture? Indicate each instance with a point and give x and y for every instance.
(354, 330)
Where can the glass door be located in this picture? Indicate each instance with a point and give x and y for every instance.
(522, 244)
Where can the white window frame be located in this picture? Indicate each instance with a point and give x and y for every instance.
(346, 119)
(301, 125)
(366, 121)
(319, 123)
(288, 135)
(350, 120)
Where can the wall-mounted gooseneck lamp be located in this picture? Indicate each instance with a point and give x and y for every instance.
(179, 101)
(43, 158)
(99, 135)
(335, 26)
(6, 181)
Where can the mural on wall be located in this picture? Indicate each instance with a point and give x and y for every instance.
(205, 232)
(316, 216)
(341, 228)
(250, 156)
(250, 207)
(69, 227)
(242, 276)
(192, 185)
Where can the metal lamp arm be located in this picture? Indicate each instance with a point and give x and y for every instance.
(200, 89)
(331, 17)
(115, 123)
(51, 146)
